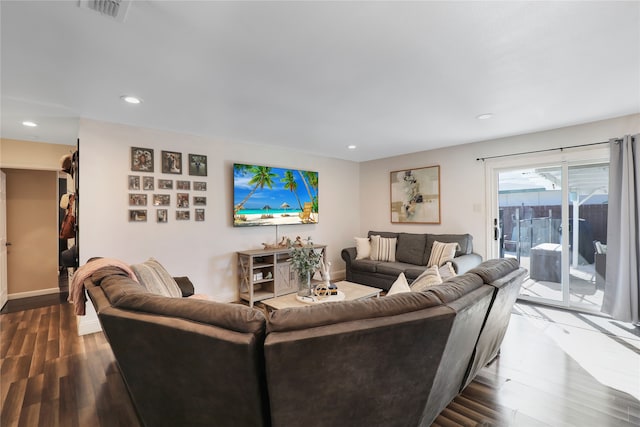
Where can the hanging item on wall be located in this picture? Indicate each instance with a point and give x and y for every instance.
(68, 227)
(199, 215)
(171, 162)
(197, 165)
(141, 159)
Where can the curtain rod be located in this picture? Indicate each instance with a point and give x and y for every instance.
(545, 150)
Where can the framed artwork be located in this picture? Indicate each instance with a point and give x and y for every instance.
(161, 199)
(137, 200)
(165, 184)
(415, 195)
(138, 215)
(183, 200)
(172, 162)
(199, 201)
(199, 186)
(162, 215)
(141, 159)
(134, 183)
(183, 185)
(197, 165)
(199, 215)
(147, 183)
(182, 215)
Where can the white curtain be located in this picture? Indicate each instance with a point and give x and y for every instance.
(622, 288)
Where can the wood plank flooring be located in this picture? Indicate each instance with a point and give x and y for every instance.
(555, 369)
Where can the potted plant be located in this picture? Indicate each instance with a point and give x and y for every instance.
(305, 261)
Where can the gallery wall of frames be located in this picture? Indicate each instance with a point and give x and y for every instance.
(157, 192)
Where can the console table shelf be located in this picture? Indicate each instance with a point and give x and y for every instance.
(267, 273)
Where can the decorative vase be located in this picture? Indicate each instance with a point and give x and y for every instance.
(304, 284)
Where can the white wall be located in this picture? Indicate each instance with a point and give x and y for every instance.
(203, 251)
(462, 177)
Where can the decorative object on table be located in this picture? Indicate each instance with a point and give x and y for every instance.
(172, 162)
(415, 196)
(333, 289)
(321, 291)
(197, 165)
(141, 159)
(305, 260)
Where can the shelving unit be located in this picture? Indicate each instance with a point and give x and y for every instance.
(267, 273)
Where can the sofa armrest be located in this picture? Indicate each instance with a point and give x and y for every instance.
(464, 263)
(348, 255)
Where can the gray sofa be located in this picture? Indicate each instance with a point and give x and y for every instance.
(391, 361)
(412, 254)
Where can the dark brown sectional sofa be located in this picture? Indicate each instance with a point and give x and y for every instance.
(412, 254)
(391, 361)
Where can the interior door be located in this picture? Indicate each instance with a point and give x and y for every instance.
(4, 293)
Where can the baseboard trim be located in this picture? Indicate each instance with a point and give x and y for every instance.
(37, 293)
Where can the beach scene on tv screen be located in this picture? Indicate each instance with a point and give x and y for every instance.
(264, 195)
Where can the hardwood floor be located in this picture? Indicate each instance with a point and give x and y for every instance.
(556, 369)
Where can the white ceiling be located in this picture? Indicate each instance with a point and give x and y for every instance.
(389, 77)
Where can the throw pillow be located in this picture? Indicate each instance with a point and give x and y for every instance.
(441, 253)
(363, 247)
(399, 286)
(383, 249)
(447, 271)
(153, 276)
(430, 277)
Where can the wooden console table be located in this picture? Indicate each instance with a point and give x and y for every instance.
(267, 273)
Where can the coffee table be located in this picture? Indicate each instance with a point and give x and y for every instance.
(352, 291)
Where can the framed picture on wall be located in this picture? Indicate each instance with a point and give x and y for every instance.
(197, 165)
(141, 159)
(147, 183)
(137, 200)
(182, 200)
(182, 215)
(161, 199)
(162, 215)
(165, 184)
(183, 185)
(137, 215)
(199, 201)
(171, 162)
(199, 216)
(199, 186)
(415, 195)
(134, 183)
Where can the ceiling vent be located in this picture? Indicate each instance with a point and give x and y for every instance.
(116, 9)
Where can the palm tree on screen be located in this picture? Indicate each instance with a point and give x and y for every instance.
(262, 176)
(291, 185)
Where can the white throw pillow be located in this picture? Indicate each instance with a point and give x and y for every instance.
(430, 277)
(156, 279)
(441, 253)
(447, 271)
(383, 249)
(363, 247)
(399, 286)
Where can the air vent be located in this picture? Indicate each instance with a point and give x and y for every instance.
(116, 9)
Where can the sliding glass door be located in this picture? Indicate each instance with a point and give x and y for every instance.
(552, 217)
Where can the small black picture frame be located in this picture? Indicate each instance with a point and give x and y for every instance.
(197, 165)
(172, 162)
(141, 159)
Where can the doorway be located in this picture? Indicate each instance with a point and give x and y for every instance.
(552, 216)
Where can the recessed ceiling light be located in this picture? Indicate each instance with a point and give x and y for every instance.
(484, 116)
(131, 99)
(352, 147)
(29, 123)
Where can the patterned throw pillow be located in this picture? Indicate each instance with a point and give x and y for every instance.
(399, 286)
(441, 253)
(383, 249)
(430, 277)
(447, 271)
(363, 247)
(153, 276)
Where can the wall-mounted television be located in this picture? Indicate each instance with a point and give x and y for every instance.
(264, 195)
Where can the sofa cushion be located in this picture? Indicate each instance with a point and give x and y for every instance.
(153, 276)
(464, 240)
(365, 265)
(116, 286)
(441, 253)
(456, 287)
(383, 249)
(236, 317)
(411, 248)
(430, 277)
(493, 269)
(392, 268)
(399, 286)
(363, 247)
(294, 319)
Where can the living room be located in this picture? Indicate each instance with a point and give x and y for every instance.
(354, 194)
